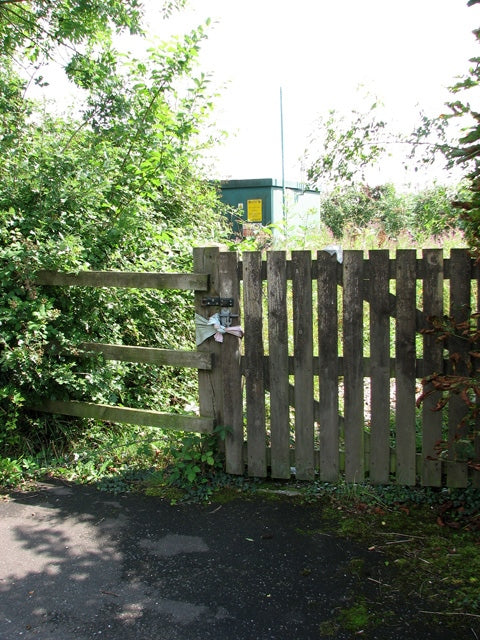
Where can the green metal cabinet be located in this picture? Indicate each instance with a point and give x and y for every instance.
(261, 201)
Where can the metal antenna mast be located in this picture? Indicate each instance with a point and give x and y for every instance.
(283, 156)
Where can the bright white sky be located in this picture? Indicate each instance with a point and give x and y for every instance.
(319, 52)
(404, 52)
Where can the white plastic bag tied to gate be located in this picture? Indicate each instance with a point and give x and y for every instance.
(205, 328)
(335, 249)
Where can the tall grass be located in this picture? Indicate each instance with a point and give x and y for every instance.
(367, 238)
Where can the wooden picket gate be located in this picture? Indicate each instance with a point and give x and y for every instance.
(322, 336)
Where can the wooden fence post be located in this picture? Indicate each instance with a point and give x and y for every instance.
(379, 291)
(476, 441)
(231, 368)
(278, 363)
(328, 366)
(210, 383)
(460, 301)
(303, 364)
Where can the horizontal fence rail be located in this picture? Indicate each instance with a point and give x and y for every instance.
(128, 415)
(150, 355)
(125, 279)
(199, 282)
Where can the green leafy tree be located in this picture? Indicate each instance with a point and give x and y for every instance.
(341, 148)
(466, 154)
(462, 378)
(118, 186)
(34, 32)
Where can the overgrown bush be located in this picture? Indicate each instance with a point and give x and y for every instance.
(424, 214)
(119, 187)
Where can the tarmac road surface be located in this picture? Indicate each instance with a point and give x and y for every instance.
(79, 564)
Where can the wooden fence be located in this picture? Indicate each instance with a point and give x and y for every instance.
(325, 381)
(161, 357)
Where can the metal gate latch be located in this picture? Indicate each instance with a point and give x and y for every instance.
(226, 317)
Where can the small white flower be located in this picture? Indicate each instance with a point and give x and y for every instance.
(191, 406)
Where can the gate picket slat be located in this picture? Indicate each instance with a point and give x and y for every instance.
(379, 366)
(328, 366)
(353, 365)
(232, 375)
(303, 364)
(278, 363)
(457, 409)
(432, 362)
(210, 383)
(476, 365)
(405, 366)
(254, 376)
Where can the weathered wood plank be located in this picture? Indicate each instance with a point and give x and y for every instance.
(210, 383)
(253, 359)
(475, 473)
(127, 415)
(126, 279)
(353, 365)
(366, 366)
(303, 352)
(379, 366)
(232, 374)
(433, 282)
(405, 366)
(278, 363)
(328, 366)
(460, 301)
(150, 355)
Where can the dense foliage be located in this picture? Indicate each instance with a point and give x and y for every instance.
(467, 153)
(344, 148)
(422, 214)
(117, 186)
(458, 331)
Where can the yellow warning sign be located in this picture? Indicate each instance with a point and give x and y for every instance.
(254, 210)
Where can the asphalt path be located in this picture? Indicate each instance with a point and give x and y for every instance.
(80, 564)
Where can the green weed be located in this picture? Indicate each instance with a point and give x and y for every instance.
(429, 533)
(356, 617)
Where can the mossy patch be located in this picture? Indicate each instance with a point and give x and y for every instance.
(171, 494)
(357, 566)
(311, 532)
(355, 617)
(444, 561)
